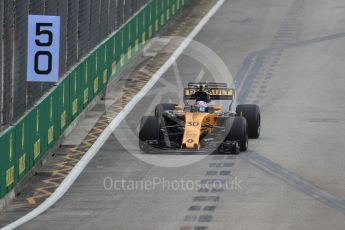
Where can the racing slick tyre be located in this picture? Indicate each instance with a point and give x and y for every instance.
(166, 122)
(150, 130)
(252, 114)
(236, 128)
(160, 108)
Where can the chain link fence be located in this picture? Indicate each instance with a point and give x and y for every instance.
(84, 24)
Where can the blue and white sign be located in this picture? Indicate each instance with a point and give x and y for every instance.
(43, 48)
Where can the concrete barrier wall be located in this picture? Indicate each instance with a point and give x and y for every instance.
(26, 142)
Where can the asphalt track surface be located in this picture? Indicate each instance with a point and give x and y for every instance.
(287, 56)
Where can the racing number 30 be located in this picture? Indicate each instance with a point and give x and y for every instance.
(39, 32)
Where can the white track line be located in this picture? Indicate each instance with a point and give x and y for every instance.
(76, 171)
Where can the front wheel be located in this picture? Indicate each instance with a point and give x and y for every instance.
(149, 132)
(236, 129)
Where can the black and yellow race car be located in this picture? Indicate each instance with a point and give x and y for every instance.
(201, 126)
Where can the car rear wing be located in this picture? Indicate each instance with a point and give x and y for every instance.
(221, 93)
(207, 85)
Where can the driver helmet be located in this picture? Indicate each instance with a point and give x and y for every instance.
(202, 105)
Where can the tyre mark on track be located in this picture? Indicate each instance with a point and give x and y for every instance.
(201, 211)
(254, 80)
(296, 181)
(261, 64)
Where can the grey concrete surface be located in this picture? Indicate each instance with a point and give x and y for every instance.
(82, 129)
(287, 60)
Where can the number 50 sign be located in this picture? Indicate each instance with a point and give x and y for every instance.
(43, 48)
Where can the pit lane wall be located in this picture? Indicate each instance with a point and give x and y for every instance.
(26, 142)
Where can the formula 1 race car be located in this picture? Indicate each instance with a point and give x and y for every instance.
(202, 126)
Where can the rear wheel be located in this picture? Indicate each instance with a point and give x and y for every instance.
(236, 128)
(160, 108)
(252, 114)
(149, 133)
